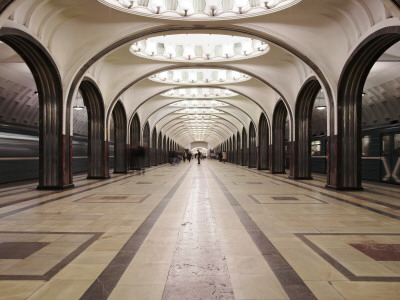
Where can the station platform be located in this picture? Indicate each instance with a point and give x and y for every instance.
(208, 231)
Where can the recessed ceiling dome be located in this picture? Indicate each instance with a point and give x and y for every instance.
(196, 47)
(192, 93)
(199, 76)
(199, 103)
(199, 111)
(200, 9)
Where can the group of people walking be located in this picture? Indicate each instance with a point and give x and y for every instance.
(177, 156)
(223, 156)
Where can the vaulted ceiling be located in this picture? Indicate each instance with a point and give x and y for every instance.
(88, 38)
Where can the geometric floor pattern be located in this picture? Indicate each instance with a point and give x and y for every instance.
(39, 255)
(209, 231)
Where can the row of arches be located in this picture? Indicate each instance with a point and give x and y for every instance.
(270, 154)
(344, 147)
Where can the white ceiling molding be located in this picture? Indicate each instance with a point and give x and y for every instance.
(194, 10)
(196, 47)
(199, 76)
(193, 93)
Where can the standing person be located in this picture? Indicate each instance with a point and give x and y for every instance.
(189, 156)
(198, 157)
(220, 156)
(184, 156)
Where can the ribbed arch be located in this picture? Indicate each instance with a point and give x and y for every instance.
(153, 150)
(278, 138)
(244, 148)
(120, 134)
(55, 155)
(263, 143)
(238, 149)
(165, 150)
(97, 147)
(159, 148)
(346, 173)
(252, 146)
(134, 142)
(146, 144)
(234, 150)
(301, 147)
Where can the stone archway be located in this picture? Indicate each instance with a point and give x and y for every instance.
(345, 150)
(120, 146)
(98, 167)
(146, 144)
(239, 151)
(153, 151)
(252, 146)
(301, 147)
(55, 161)
(278, 138)
(244, 148)
(263, 143)
(135, 142)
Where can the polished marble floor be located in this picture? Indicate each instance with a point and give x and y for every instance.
(209, 231)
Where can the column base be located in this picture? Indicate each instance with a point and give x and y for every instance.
(120, 172)
(61, 187)
(275, 172)
(338, 188)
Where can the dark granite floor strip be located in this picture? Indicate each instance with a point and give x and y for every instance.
(111, 181)
(291, 282)
(198, 269)
(327, 195)
(108, 279)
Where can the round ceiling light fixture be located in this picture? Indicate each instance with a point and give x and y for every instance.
(195, 10)
(197, 47)
(199, 117)
(199, 111)
(199, 76)
(199, 103)
(195, 93)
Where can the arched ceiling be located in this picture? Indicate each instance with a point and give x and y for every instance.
(87, 38)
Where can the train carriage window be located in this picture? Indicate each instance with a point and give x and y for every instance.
(396, 144)
(385, 145)
(315, 148)
(366, 145)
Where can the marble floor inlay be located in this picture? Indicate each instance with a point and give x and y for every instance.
(198, 268)
(209, 231)
(380, 252)
(19, 250)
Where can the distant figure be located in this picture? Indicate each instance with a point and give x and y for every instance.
(220, 156)
(184, 156)
(224, 156)
(189, 156)
(198, 157)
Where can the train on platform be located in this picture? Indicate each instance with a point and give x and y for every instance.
(19, 155)
(380, 151)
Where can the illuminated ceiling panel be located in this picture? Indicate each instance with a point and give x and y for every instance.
(196, 47)
(199, 76)
(191, 93)
(195, 10)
